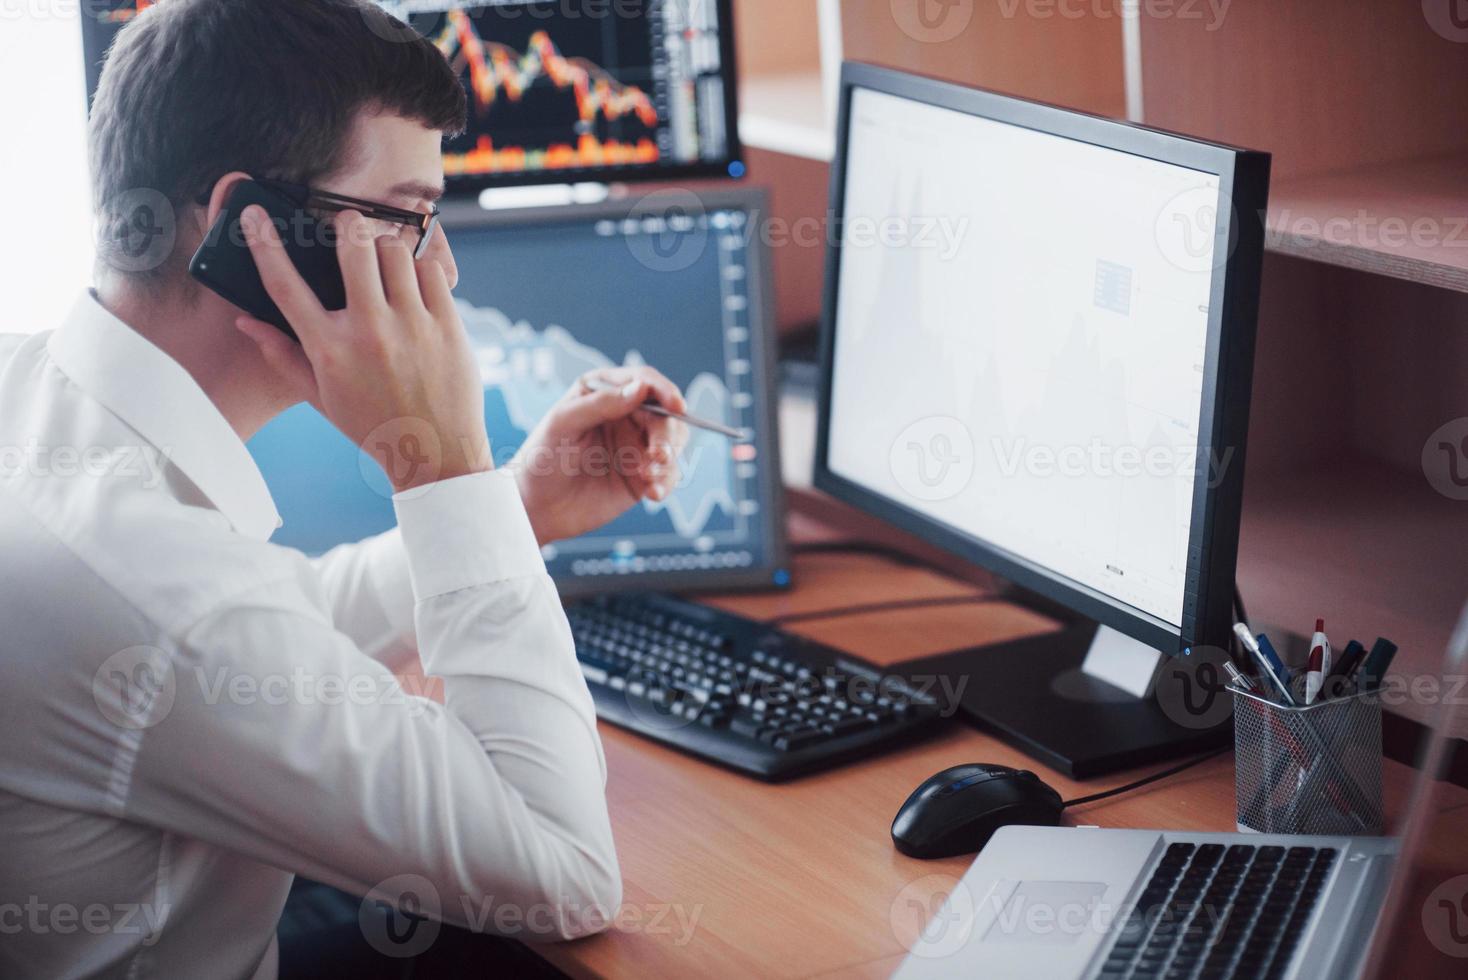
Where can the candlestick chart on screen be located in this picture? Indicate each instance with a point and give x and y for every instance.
(576, 94)
(556, 91)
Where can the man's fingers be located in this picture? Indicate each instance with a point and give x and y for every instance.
(660, 464)
(285, 357)
(584, 410)
(679, 434)
(664, 392)
(356, 253)
(659, 440)
(656, 384)
(398, 275)
(433, 285)
(282, 282)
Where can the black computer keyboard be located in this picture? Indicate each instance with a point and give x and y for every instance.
(1211, 911)
(737, 692)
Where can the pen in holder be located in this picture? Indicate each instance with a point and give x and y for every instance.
(1308, 770)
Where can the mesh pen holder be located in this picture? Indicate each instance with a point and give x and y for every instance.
(1308, 770)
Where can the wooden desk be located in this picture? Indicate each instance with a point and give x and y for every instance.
(727, 876)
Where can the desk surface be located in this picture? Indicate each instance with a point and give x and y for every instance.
(728, 876)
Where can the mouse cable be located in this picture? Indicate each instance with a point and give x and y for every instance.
(1107, 794)
(876, 607)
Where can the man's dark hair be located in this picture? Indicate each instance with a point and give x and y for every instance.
(193, 89)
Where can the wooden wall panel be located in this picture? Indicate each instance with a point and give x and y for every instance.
(777, 36)
(797, 230)
(1323, 84)
(1409, 366)
(1300, 369)
(1351, 364)
(1030, 49)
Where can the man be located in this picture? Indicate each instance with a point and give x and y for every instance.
(190, 715)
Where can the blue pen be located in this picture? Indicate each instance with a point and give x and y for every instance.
(1373, 669)
(1280, 668)
(1266, 669)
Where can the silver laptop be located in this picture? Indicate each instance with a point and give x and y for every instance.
(1078, 902)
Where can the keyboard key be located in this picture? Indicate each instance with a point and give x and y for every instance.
(846, 726)
(798, 739)
(683, 658)
(746, 725)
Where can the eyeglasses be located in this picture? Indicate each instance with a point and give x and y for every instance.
(311, 198)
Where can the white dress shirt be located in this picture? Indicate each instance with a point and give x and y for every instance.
(191, 715)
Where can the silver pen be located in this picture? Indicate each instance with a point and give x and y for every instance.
(1251, 646)
(1237, 676)
(738, 435)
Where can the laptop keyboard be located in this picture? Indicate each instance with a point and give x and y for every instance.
(1211, 912)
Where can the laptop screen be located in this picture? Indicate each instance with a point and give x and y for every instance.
(1422, 933)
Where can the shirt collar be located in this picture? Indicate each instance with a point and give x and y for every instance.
(153, 394)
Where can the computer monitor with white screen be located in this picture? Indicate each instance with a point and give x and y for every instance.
(1037, 353)
(672, 280)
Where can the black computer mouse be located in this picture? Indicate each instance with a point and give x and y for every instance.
(958, 810)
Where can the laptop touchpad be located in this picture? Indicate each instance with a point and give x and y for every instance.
(1054, 913)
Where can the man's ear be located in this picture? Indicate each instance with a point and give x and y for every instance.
(219, 196)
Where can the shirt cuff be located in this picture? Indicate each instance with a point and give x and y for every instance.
(468, 531)
(392, 586)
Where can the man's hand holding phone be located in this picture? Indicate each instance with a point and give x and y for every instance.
(393, 370)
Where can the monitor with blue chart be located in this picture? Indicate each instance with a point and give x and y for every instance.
(674, 281)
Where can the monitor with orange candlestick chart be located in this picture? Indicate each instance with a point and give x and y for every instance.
(564, 91)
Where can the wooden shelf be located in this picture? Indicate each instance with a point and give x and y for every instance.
(1408, 220)
(1373, 549)
(787, 113)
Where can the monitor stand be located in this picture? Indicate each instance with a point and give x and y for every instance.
(1079, 700)
(543, 196)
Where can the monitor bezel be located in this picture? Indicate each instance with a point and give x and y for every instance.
(774, 571)
(1223, 422)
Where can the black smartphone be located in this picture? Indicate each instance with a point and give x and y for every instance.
(224, 263)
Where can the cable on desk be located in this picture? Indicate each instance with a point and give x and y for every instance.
(1239, 613)
(1107, 794)
(875, 607)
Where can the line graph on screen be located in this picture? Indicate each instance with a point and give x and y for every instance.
(587, 116)
(532, 368)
